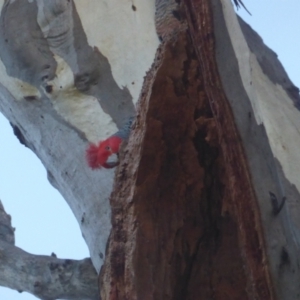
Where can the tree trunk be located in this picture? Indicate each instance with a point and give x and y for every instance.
(195, 202)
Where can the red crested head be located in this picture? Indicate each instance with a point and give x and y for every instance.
(97, 156)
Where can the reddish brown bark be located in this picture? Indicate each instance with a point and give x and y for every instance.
(184, 214)
(242, 195)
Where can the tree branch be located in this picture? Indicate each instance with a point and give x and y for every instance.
(46, 277)
(7, 232)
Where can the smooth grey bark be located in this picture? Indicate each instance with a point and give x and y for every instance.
(59, 91)
(39, 127)
(46, 277)
(253, 79)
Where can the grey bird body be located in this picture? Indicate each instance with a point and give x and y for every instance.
(124, 132)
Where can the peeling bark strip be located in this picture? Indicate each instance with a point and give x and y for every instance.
(24, 50)
(175, 212)
(242, 195)
(29, 50)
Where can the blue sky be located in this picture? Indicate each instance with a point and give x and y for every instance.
(34, 204)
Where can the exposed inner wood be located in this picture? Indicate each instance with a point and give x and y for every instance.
(184, 215)
(242, 195)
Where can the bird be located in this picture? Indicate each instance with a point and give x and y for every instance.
(97, 155)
